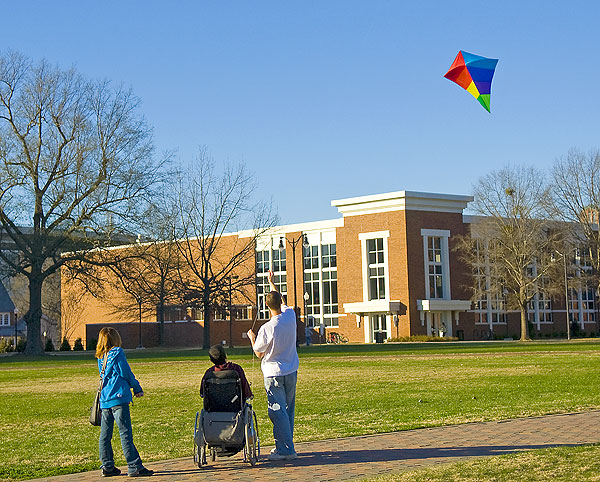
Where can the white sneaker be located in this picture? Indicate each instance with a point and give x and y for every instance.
(278, 456)
(273, 451)
(275, 456)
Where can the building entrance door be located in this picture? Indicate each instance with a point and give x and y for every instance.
(378, 328)
(440, 325)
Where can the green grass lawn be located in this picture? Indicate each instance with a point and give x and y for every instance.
(342, 390)
(564, 464)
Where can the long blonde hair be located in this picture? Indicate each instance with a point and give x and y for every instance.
(107, 338)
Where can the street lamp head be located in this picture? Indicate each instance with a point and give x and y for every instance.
(281, 242)
(305, 241)
(306, 296)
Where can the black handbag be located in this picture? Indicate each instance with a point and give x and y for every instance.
(96, 411)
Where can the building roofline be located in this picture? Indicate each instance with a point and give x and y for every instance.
(402, 201)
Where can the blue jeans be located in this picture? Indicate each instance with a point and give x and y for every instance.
(281, 398)
(119, 414)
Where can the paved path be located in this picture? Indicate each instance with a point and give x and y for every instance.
(367, 456)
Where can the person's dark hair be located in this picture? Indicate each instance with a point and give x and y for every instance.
(217, 354)
(274, 300)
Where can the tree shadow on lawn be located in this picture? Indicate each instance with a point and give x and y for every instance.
(425, 455)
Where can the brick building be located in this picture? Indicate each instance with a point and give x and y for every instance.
(386, 268)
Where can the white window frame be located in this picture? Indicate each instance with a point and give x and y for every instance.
(363, 237)
(269, 245)
(495, 303)
(4, 319)
(539, 307)
(578, 297)
(444, 234)
(318, 239)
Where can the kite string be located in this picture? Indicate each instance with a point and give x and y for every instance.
(252, 347)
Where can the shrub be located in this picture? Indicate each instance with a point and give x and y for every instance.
(592, 335)
(65, 346)
(91, 344)
(548, 335)
(6, 345)
(422, 338)
(21, 344)
(49, 345)
(78, 345)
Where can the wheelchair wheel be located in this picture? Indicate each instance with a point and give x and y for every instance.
(199, 445)
(252, 445)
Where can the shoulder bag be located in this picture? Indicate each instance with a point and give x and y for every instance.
(96, 411)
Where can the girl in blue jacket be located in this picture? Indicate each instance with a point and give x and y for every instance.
(118, 380)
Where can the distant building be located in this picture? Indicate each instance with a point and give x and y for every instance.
(10, 326)
(387, 268)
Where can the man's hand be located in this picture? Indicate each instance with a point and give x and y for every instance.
(139, 394)
(252, 338)
(271, 278)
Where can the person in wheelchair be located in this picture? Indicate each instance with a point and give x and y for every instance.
(218, 357)
(227, 423)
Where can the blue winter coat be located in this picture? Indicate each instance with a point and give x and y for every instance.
(118, 379)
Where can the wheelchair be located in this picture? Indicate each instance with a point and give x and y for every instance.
(227, 423)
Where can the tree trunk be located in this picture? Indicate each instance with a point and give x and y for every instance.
(161, 322)
(33, 317)
(206, 309)
(524, 330)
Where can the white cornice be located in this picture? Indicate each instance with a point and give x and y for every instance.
(402, 201)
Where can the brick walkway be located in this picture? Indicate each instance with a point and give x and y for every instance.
(368, 456)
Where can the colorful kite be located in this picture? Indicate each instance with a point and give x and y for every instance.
(474, 74)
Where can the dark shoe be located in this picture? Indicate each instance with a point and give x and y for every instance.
(110, 472)
(143, 472)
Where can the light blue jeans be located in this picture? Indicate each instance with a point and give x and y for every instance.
(281, 398)
(121, 415)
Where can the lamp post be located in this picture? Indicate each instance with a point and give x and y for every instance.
(231, 312)
(293, 243)
(306, 327)
(16, 311)
(567, 296)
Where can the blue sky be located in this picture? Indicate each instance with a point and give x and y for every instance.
(331, 99)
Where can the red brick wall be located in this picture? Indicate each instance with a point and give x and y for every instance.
(350, 276)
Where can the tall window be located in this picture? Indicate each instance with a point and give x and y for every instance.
(313, 304)
(4, 319)
(490, 306)
(273, 259)
(435, 267)
(376, 267)
(539, 308)
(582, 308)
(320, 282)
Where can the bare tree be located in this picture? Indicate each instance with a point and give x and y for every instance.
(212, 204)
(576, 201)
(151, 272)
(76, 160)
(512, 237)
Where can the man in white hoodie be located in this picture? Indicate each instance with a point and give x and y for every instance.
(275, 344)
